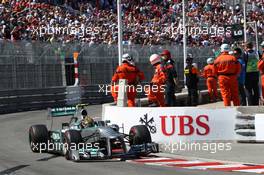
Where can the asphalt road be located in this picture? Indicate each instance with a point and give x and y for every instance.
(17, 159)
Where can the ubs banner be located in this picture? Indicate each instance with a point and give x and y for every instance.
(177, 124)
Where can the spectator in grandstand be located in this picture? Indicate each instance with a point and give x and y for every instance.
(251, 58)
(145, 22)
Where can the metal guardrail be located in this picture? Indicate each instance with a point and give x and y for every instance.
(245, 124)
(37, 99)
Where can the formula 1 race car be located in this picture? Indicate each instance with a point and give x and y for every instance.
(82, 138)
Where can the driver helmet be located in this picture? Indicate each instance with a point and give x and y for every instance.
(87, 122)
(84, 113)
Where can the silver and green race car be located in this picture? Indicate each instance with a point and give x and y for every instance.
(81, 140)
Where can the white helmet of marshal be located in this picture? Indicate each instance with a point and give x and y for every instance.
(195, 65)
(262, 44)
(154, 59)
(225, 48)
(127, 58)
(210, 61)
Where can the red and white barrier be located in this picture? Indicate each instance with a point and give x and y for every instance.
(201, 165)
(169, 125)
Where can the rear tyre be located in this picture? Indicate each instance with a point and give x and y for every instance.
(72, 140)
(38, 138)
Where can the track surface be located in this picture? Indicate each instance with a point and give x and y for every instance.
(16, 157)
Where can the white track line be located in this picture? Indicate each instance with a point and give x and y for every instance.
(170, 163)
(154, 159)
(149, 160)
(210, 159)
(216, 166)
(251, 171)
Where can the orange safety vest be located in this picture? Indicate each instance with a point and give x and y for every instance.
(227, 65)
(261, 65)
(209, 71)
(129, 72)
(159, 77)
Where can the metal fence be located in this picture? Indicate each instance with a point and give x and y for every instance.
(40, 65)
(26, 65)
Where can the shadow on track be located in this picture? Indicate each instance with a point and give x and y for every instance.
(12, 170)
(48, 158)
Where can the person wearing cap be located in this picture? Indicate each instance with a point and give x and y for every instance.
(157, 86)
(242, 76)
(192, 79)
(171, 74)
(210, 75)
(228, 68)
(127, 70)
(251, 58)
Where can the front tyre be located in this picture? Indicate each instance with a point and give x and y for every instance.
(139, 134)
(38, 138)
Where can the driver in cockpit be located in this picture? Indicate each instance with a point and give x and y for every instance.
(86, 120)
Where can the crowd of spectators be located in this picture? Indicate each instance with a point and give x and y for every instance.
(145, 22)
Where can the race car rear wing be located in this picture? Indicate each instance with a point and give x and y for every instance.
(72, 111)
(66, 111)
(62, 111)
